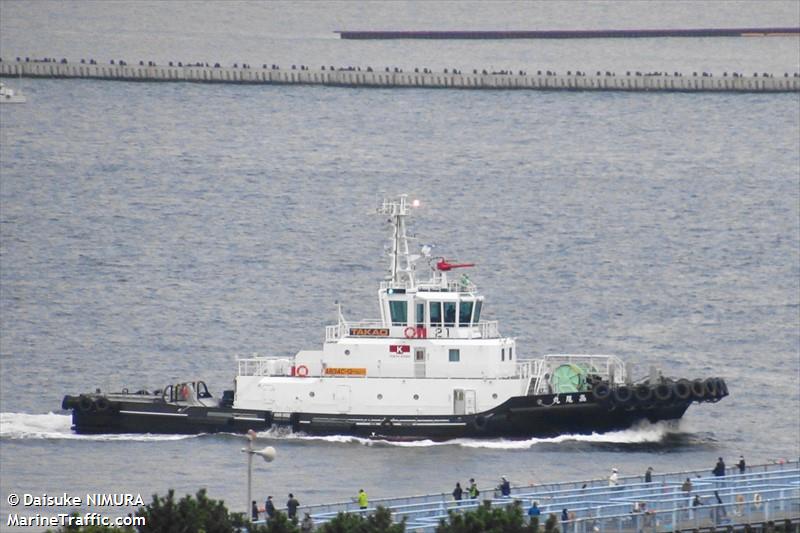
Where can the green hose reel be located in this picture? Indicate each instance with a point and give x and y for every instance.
(569, 378)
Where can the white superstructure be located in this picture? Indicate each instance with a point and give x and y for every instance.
(428, 354)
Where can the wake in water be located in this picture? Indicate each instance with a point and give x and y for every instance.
(662, 434)
(645, 433)
(55, 426)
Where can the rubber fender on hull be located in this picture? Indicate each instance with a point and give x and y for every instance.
(623, 395)
(479, 422)
(698, 390)
(723, 388)
(682, 389)
(643, 394)
(68, 403)
(602, 392)
(102, 405)
(663, 392)
(85, 404)
(710, 387)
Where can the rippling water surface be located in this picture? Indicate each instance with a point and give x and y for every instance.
(151, 232)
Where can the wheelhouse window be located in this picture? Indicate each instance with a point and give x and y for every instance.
(420, 314)
(399, 312)
(477, 316)
(464, 313)
(510, 353)
(455, 356)
(449, 314)
(502, 354)
(435, 313)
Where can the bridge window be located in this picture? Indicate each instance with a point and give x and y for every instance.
(510, 353)
(435, 313)
(502, 354)
(399, 311)
(477, 317)
(450, 314)
(464, 313)
(455, 356)
(420, 314)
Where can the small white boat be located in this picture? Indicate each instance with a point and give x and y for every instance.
(10, 96)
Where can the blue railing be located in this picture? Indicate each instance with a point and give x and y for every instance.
(763, 492)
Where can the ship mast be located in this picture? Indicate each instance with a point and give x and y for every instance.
(401, 271)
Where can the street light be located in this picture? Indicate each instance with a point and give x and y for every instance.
(268, 454)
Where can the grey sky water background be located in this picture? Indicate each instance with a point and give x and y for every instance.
(150, 232)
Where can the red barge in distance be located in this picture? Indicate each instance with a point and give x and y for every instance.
(568, 34)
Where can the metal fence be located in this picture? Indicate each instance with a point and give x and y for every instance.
(764, 492)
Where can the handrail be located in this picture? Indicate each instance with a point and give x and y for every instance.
(767, 479)
(609, 367)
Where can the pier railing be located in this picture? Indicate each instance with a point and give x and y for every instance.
(763, 492)
(386, 78)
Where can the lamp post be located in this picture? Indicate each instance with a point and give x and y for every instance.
(268, 454)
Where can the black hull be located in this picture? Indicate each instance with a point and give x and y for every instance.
(518, 418)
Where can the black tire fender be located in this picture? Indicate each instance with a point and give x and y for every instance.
(601, 392)
(479, 422)
(723, 387)
(663, 392)
(643, 393)
(682, 389)
(102, 405)
(85, 404)
(698, 390)
(623, 395)
(711, 389)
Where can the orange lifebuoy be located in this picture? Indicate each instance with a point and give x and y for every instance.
(302, 371)
(410, 332)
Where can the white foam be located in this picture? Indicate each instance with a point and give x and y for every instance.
(642, 433)
(55, 426)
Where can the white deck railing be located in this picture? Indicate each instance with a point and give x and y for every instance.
(265, 366)
(608, 367)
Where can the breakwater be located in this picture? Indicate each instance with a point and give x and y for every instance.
(569, 34)
(398, 78)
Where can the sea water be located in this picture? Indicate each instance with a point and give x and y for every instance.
(155, 232)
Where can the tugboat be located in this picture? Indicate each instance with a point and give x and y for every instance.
(429, 367)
